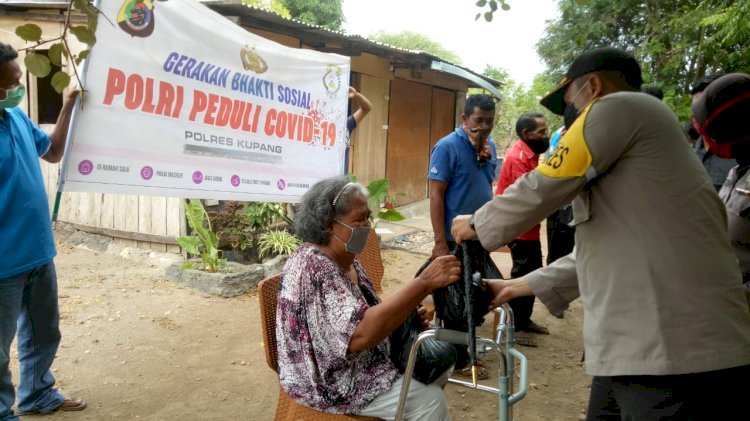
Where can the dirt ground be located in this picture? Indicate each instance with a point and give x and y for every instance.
(138, 347)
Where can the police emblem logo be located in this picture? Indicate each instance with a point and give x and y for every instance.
(332, 80)
(252, 61)
(136, 17)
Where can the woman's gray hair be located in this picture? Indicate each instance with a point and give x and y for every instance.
(327, 199)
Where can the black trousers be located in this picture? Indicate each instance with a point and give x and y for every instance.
(705, 396)
(527, 257)
(561, 238)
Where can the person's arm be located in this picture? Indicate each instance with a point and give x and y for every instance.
(382, 319)
(555, 285)
(609, 131)
(60, 133)
(364, 105)
(442, 161)
(505, 179)
(437, 217)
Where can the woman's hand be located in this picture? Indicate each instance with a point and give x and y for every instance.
(425, 317)
(381, 320)
(442, 272)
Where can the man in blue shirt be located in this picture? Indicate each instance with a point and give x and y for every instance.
(462, 168)
(28, 282)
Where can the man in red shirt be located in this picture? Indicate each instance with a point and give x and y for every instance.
(526, 250)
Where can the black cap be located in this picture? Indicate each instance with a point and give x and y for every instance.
(722, 110)
(606, 58)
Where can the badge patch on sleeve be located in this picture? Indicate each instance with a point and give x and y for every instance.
(572, 157)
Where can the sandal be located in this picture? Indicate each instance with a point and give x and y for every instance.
(482, 372)
(67, 405)
(72, 405)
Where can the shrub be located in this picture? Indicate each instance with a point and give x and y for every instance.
(277, 242)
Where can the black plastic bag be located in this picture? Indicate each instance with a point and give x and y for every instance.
(450, 301)
(433, 358)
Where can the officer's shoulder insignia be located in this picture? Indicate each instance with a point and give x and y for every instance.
(572, 157)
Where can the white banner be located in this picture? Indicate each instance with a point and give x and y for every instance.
(181, 102)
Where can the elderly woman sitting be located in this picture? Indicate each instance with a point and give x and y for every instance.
(332, 329)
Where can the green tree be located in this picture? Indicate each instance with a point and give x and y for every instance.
(416, 41)
(517, 100)
(275, 6)
(59, 53)
(326, 13)
(675, 41)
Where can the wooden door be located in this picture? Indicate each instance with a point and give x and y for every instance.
(407, 155)
(443, 110)
(369, 139)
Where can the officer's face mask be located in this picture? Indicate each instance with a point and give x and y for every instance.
(570, 115)
(13, 97)
(571, 112)
(357, 240)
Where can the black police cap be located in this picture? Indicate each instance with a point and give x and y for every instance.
(599, 59)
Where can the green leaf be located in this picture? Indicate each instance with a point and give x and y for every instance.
(82, 56)
(195, 213)
(91, 13)
(582, 2)
(481, 3)
(37, 64)
(83, 34)
(505, 7)
(190, 244)
(29, 32)
(477, 16)
(55, 54)
(81, 5)
(93, 23)
(277, 242)
(391, 215)
(493, 5)
(488, 16)
(378, 189)
(85, 7)
(60, 81)
(213, 243)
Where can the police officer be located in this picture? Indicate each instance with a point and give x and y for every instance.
(720, 116)
(666, 322)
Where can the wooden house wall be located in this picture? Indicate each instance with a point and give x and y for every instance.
(412, 109)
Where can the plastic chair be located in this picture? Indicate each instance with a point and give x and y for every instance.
(286, 408)
(372, 261)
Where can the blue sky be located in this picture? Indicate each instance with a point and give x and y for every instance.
(508, 41)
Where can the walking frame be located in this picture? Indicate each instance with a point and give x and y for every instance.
(503, 345)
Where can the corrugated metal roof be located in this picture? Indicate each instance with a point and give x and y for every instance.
(240, 9)
(237, 7)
